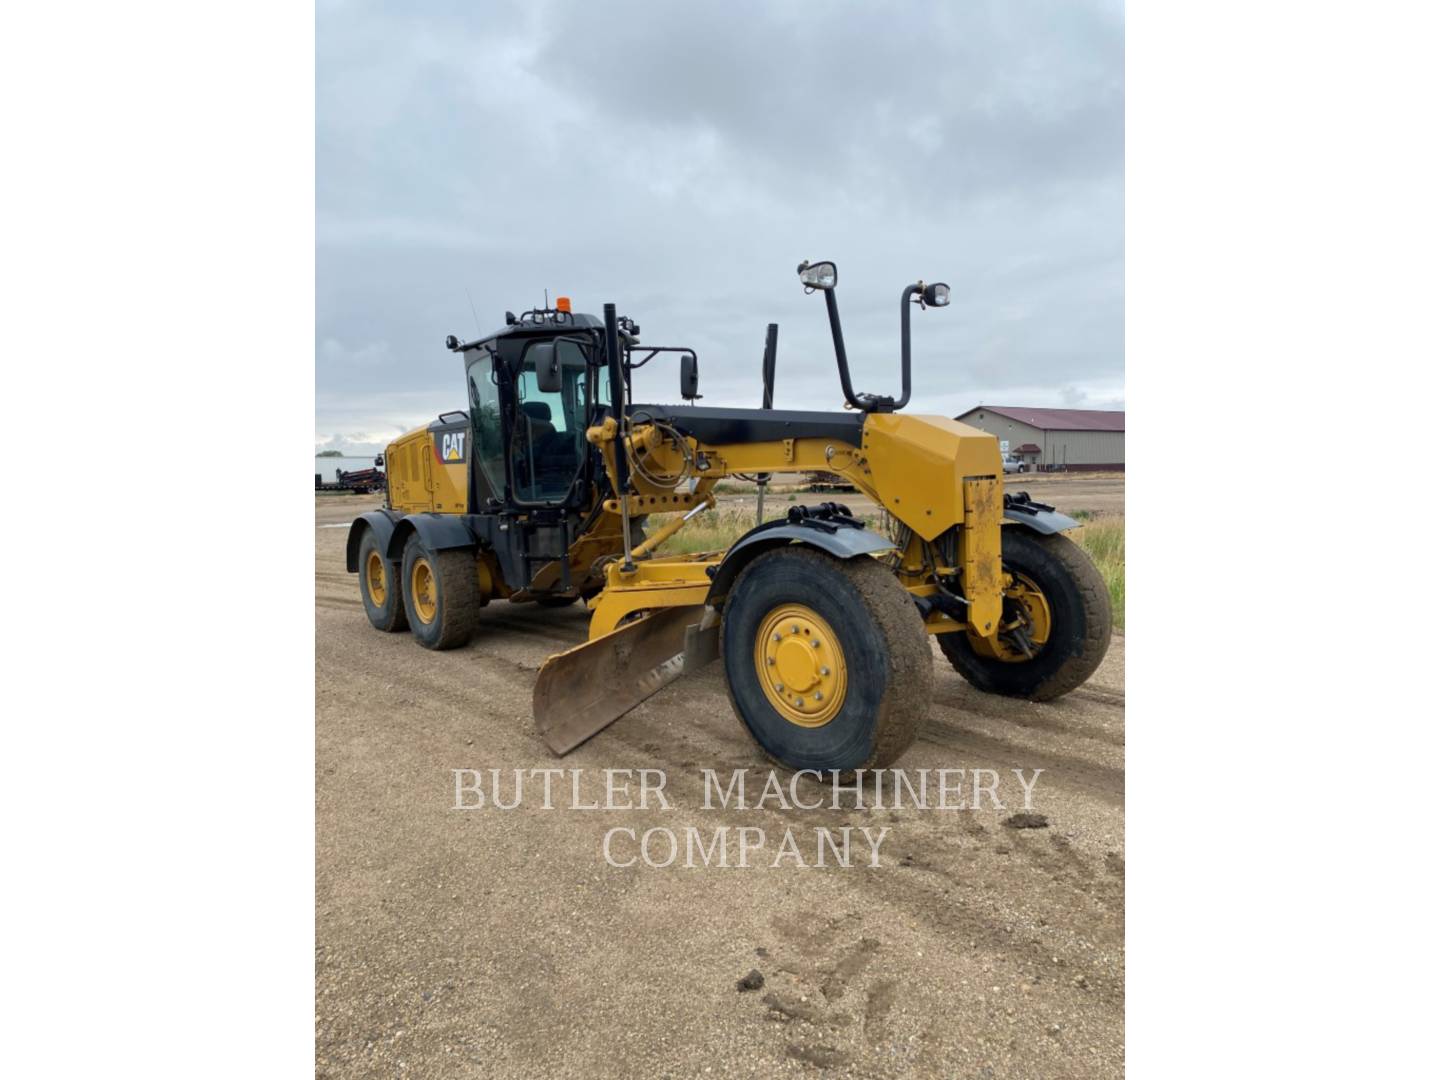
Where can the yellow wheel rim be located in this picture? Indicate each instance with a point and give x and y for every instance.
(1028, 610)
(375, 578)
(800, 665)
(422, 591)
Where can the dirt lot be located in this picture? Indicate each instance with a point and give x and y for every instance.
(500, 943)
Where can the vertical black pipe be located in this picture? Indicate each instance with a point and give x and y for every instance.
(617, 403)
(617, 396)
(767, 369)
(833, 310)
(767, 401)
(910, 290)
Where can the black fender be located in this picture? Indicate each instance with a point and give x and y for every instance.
(380, 522)
(438, 532)
(1038, 516)
(830, 529)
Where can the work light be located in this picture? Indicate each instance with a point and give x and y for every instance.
(819, 275)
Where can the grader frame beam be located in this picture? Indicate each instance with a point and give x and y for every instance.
(930, 473)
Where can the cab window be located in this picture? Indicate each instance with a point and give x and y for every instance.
(485, 418)
(548, 441)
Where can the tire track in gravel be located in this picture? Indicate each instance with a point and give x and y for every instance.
(1043, 719)
(896, 887)
(1104, 781)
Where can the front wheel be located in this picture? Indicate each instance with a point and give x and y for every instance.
(1055, 628)
(827, 661)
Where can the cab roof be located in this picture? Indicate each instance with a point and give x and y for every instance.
(535, 323)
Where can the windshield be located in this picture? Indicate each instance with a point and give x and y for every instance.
(548, 442)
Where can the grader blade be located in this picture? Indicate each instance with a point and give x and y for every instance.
(584, 690)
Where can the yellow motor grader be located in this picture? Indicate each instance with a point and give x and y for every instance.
(556, 486)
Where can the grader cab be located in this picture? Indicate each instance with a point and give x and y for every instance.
(546, 489)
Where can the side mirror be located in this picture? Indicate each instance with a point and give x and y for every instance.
(689, 376)
(819, 275)
(547, 367)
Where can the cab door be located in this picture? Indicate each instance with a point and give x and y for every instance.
(488, 451)
(549, 449)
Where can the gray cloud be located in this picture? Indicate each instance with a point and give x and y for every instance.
(680, 159)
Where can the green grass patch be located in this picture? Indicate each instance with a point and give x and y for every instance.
(1104, 539)
(714, 530)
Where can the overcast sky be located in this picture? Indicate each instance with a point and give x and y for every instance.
(681, 159)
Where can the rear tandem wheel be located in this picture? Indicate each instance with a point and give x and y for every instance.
(442, 594)
(379, 587)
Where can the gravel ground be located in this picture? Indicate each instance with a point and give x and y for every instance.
(500, 943)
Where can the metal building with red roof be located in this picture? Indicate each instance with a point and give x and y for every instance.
(1071, 439)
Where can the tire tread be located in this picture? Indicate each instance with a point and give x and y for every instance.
(907, 700)
(1077, 667)
(396, 620)
(459, 588)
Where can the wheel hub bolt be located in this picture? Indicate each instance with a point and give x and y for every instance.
(819, 696)
(824, 671)
(779, 687)
(815, 643)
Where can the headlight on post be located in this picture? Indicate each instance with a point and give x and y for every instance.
(819, 275)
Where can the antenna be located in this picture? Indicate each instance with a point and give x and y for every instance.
(547, 299)
(478, 328)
